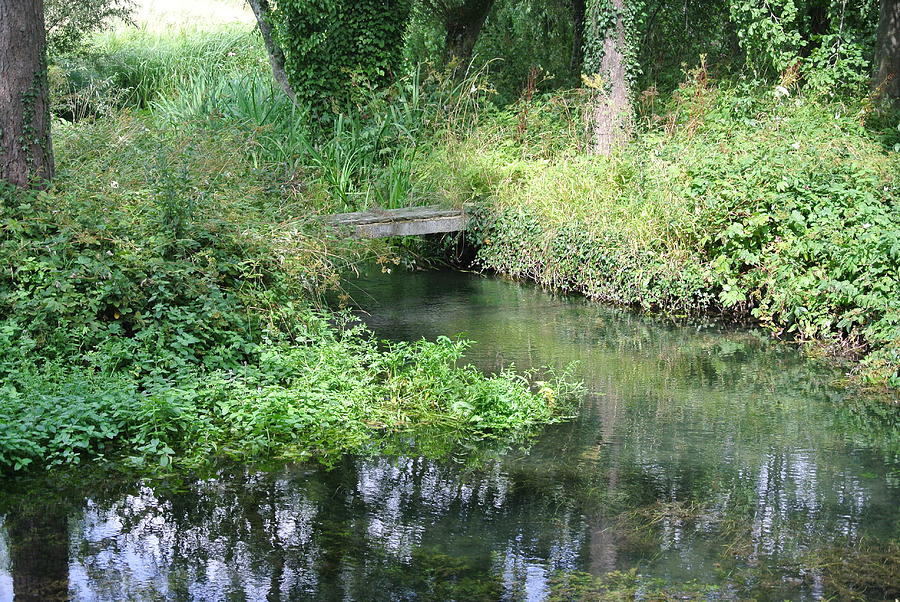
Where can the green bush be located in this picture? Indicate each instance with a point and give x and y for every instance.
(157, 304)
(783, 210)
(328, 393)
(329, 45)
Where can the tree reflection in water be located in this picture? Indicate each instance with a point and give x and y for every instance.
(700, 453)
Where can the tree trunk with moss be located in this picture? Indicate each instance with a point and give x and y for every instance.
(610, 114)
(26, 154)
(887, 51)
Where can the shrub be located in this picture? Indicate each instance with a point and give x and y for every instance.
(781, 210)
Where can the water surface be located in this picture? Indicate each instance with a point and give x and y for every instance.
(702, 455)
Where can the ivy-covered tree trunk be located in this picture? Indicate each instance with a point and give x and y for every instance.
(887, 52)
(606, 63)
(330, 49)
(26, 155)
(276, 55)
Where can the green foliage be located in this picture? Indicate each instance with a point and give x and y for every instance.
(603, 265)
(157, 301)
(132, 68)
(831, 41)
(769, 33)
(330, 46)
(601, 18)
(68, 22)
(326, 393)
(673, 35)
(351, 162)
(526, 35)
(780, 210)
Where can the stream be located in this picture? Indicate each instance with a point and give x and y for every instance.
(704, 458)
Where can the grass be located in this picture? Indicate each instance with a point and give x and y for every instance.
(168, 285)
(729, 201)
(167, 15)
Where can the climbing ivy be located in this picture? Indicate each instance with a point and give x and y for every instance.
(601, 17)
(330, 46)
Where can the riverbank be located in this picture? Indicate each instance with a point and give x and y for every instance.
(162, 303)
(777, 210)
(181, 244)
(761, 205)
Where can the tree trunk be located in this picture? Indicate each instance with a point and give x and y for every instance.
(276, 55)
(610, 116)
(39, 552)
(463, 26)
(577, 37)
(26, 153)
(887, 49)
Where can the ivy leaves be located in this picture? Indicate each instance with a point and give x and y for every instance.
(332, 46)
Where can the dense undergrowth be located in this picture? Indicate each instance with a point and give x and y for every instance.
(161, 302)
(149, 322)
(781, 209)
(158, 301)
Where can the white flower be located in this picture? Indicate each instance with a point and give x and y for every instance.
(232, 54)
(796, 145)
(113, 184)
(781, 91)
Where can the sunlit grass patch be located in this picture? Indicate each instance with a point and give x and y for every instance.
(166, 15)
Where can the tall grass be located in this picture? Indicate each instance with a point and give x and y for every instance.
(143, 66)
(351, 160)
(167, 15)
(358, 157)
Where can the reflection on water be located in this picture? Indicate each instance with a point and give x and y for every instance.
(700, 453)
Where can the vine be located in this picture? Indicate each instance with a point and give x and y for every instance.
(31, 138)
(332, 45)
(830, 41)
(602, 17)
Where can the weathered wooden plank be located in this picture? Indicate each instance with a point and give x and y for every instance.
(393, 215)
(418, 227)
(410, 221)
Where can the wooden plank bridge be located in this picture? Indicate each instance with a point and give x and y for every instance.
(410, 221)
